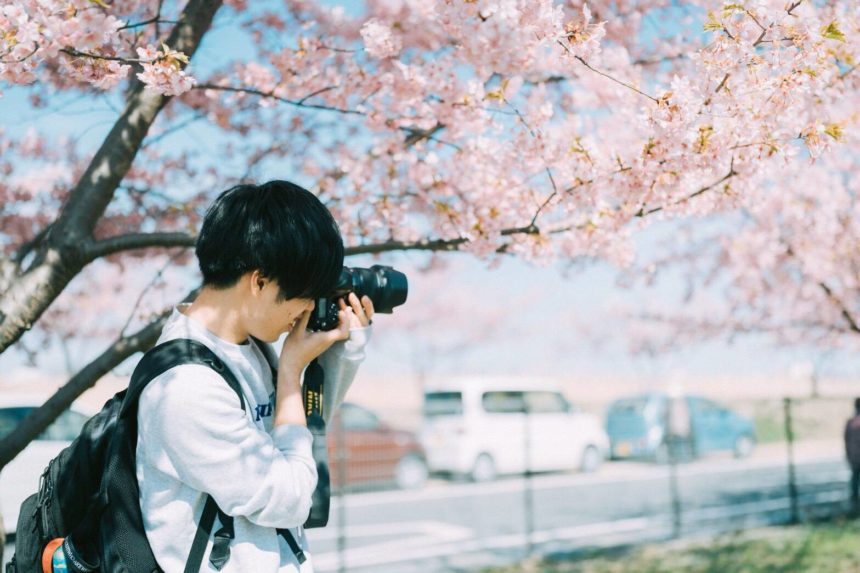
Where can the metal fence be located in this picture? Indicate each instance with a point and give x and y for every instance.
(796, 472)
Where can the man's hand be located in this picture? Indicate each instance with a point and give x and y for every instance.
(302, 346)
(359, 312)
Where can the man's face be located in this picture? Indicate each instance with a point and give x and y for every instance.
(273, 317)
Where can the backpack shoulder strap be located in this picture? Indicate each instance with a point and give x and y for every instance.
(157, 361)
(271, 357)
(170, 354)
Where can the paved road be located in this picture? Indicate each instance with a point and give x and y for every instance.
(454, 527)
(447, 527)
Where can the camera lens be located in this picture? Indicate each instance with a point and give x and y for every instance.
(386, 287)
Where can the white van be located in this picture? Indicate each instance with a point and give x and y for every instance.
(477, 427)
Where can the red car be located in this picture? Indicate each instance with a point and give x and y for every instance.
(364, 452)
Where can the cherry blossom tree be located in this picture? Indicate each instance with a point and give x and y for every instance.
(520, 128)
(785, 265)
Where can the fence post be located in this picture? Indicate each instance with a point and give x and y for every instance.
(671, 440)
(674, 490)
(528, 492)
(792, 477)
(341, 497)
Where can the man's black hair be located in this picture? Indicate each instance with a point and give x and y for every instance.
(278, 228)
(857, 405)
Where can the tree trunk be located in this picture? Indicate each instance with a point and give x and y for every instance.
(61, 255)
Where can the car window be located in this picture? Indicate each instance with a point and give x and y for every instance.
(355, 418)
(630, 406)
(10, 418)
(546, 402)
(708, 407)
(503, 402)
(66, 427)
(443, 403)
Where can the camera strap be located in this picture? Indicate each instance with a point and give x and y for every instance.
(312, 395)
(313, 392)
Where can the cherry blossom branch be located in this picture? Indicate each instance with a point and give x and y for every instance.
(605, 75)
(178, 127)
(147, 288)
(79, 54)
(271, 95)
(93, 250)
(640, 62)
(546, 168)
(430, 244)
(793, 6)
(21, 59)
(40, 418)
(316, 93)
(154, 20)
(122, 243)
(831, 296)
(726, 177)
(846, 314)
(418, 135)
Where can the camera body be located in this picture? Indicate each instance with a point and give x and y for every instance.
(385, 286)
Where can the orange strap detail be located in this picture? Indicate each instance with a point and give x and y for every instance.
(48, 554)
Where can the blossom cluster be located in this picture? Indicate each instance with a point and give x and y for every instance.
(81, 41)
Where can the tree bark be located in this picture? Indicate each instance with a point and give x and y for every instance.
(62, 254)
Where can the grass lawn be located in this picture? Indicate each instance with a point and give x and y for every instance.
(819, 548)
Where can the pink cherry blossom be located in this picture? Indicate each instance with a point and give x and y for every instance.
(380, 40)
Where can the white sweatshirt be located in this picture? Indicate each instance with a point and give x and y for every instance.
(194, 439)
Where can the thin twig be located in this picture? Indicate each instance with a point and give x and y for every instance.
(278, 98)
(316, 93)
(154, 20)
(605, 75)
(79, 54)
(145, 290)
(642, 212)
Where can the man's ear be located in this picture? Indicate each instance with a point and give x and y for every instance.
(257, 282)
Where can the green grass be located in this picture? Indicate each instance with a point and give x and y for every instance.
(821, 548)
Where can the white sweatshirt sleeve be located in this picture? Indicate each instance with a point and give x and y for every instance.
(190, 415)
(340, 364)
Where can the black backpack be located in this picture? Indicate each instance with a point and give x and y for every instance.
(89, 498)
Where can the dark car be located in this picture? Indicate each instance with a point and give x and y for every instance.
(366, 453)
(641, 427)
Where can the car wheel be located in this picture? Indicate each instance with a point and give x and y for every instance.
(743, 446)
(484, 469)
(411, 472)
(591, 459)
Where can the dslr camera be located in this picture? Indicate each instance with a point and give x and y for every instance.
(386, 287)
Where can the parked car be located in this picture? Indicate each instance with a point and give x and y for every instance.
(366, 452)
(484, 427)
(20, 477)
(638, 427)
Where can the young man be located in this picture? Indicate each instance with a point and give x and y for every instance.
(265, 252)
(852, 453)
